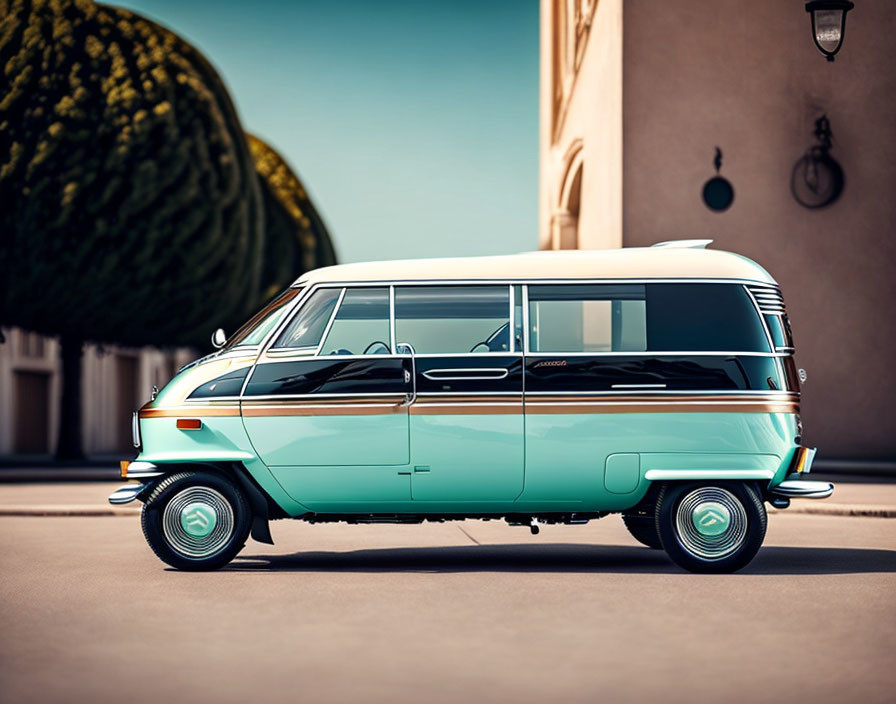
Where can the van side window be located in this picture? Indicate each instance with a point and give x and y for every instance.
(705, 317)
(583, 318)
(361, 325)
(453, 319)
(662, 317)
(307, 327)
(779, 328)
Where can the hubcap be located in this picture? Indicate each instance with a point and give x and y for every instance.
(710, 523)
(197, 522)
(711, 518)
(198, 519)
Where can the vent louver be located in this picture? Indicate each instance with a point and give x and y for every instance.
(768, 298)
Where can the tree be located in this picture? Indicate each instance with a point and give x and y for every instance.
(131, 211)
(296, 239)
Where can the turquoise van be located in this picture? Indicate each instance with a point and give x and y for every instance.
(540, 388)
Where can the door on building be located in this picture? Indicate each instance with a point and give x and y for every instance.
(126, 392)
(32, 412)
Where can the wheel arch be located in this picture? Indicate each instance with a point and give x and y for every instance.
(263, 507)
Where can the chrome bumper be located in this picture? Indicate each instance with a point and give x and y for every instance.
(134, 470)
(794, 487)
(126, 494)
(140, 470)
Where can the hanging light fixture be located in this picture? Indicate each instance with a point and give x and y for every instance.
(828, 24)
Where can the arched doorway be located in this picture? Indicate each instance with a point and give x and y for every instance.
(565, 220)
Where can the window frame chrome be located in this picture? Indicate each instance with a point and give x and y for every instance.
(267, 354)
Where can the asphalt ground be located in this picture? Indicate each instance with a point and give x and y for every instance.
(473, 611)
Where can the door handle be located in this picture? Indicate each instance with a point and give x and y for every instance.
(466, 374)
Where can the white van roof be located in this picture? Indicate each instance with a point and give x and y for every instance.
(668, 262)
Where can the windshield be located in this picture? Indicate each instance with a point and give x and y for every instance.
(260, 324)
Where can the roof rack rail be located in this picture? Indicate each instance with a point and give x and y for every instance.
(684, 244)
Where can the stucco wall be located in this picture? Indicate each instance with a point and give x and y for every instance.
(589, 123)
(747, 77)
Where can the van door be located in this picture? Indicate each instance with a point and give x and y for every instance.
(466, 422)
(324, 408)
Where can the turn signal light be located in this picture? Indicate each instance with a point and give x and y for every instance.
(124, 464)
(189, 424)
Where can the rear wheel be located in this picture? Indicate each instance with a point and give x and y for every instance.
(196, 520)
(642, 526)
(715, 527)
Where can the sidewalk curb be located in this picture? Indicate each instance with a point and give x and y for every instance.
(71, 511)
(855, 511)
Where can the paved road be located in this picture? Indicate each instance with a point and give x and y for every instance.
(476, 611)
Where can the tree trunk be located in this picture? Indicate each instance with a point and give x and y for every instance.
(69, 446)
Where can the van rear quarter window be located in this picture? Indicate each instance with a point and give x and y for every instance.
(685, 317)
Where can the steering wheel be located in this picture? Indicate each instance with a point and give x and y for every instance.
(374, 344)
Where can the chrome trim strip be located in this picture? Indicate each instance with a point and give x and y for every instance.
(763, 395)
(323, 338)
(656, 353)
(529, 280)
(638, 386)
(393, 344)
(289, 351)
(510, 323)
(518, 353)
(433, 355)
(648, 406)
(760, 393)
(526, 351)
(205, 412)
(321, 409)
(655, 475)
(399, 395)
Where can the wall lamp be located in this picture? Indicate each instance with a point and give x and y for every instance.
(828, 24)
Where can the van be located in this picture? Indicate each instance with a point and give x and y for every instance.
(552, 387)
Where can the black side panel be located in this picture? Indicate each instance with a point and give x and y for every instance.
(708, 373)
(226, 385)
(329, 376)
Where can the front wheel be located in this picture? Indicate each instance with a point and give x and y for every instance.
(715, 527)
(196, 520)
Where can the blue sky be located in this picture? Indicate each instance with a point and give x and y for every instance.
(414, 124)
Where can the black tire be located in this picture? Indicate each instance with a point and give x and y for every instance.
(678, 512)
(215, 501)
(643, 529)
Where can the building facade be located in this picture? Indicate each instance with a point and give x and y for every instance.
(115, 381)
(636, 95)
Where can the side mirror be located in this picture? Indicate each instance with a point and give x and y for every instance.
(218, 339)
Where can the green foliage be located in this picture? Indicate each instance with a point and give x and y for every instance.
(130, 210)
(296, 239)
